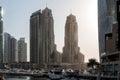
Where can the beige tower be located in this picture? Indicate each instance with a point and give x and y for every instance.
(22, 50)
(71, 52)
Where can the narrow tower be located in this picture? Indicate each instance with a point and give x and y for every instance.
(71, 52)
(22, 50)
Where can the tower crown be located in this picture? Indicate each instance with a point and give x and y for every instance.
(71, 18)
(47, 11)
(36, 13)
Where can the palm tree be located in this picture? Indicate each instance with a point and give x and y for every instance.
(93, 63)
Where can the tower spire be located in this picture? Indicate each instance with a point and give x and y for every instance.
(46, 3)
(70, 11)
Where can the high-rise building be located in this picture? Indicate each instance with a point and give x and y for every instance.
(10, 49)
(1, 36)
(106, 19)
(22, 50)
(7, 48)
(109, 35)
(35, 21)
(42, 46)
(71, 51)
(14, 50)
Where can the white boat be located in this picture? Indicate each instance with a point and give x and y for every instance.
(55, 74)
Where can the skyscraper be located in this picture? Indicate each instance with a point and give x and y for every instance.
(109, 35)
(7, 48)
(42, 46)
(10, 49)
(35, 23)
(14, 50)
(1, 36)
(22, 50)
(106, 19)
(71, 50)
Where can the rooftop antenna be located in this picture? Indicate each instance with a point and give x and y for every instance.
(46, 3)
(71, 11)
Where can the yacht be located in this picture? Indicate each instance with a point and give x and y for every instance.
(55, 74)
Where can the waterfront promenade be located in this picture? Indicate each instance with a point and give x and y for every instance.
(39, 74)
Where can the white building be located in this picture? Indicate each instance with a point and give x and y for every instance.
(22, 50)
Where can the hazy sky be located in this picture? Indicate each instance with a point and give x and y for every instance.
(17, 14)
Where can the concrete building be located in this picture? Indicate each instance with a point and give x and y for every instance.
(10, 49)
(35, 20)
(1, 36)
(22, 50)
(42, 46)
(71, 51)
(14, 49)
(7, 48)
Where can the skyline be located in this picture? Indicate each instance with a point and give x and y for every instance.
(17, 16)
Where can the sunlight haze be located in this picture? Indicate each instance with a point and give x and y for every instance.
(17, 15)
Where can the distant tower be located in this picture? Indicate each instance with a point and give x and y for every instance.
(42, 46)
(35, 21)
(10, 49)
(1, 36)
(22, 50)
(7, 48)
(13, 50)
(71, 52)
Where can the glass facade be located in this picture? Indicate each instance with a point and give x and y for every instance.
(109, 23)
(1, 37)
(116, 67)
(109, 68)
(106, 19)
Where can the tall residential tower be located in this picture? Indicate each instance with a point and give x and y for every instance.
(71, 50)
(42, 46)
(7, 48)
(22, 50)
(10, 49)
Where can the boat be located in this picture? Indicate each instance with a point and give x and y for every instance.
(55, 74)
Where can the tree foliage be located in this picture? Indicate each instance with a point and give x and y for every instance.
(92, 63)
